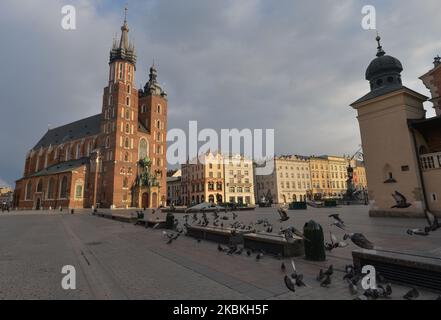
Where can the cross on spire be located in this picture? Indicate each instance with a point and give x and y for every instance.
(380, 52)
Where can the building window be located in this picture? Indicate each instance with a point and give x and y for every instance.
(63, 188)
(128, 101)
(125, 183)
(78, 155)
(79, 190)
(158, 108)
(40, 186)
(126, 143)
(50, 189)
(127, 114)
(128, 128)
(28, 191)
(107, 142)
(143, 149)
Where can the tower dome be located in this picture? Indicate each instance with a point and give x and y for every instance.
(384, 70)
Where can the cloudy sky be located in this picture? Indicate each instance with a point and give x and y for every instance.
(294, 66)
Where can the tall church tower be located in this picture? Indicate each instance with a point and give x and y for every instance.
(153, 106)
(388, 142)
(119, 125)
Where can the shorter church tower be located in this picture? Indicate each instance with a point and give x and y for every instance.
(153, 109)
(392, 164)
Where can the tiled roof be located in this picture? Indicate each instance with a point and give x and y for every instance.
(378, 92)
(67, 166)
(384, 90)
(72, 131)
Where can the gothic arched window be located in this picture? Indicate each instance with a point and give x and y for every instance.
(63, 188)
(50, 189)
(108, 142)
(40, 186)
(28, 191)
(143, 150)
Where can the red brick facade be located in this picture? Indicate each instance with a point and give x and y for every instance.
(94, 161)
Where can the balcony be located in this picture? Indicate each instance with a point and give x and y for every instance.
(431, 161)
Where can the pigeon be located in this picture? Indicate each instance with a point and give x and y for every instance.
(290, 284)
(172, 237)
(353, 288)
(412, 294)
(433, 221)
(372, 294)
(349, 273)
(339, 225)
(320, 275)
(299, 281)
(248, 253)
(334, 244)
(220, 248)
(385, 291)
(234, 216)
(360, 240)
(283, 215)
(283, 267)
(232, 250)
(336, 217)
(326, 281)
(330, 271)
(417, 232)
(401, 201)
(290, 232)
(239, 252)
(259, 256)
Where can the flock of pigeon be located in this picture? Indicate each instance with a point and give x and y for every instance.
(352, 276)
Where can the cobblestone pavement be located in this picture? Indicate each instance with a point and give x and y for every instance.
(116, 260)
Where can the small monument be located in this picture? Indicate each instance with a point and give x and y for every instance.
(147, 187)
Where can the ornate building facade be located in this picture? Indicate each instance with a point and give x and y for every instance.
(115, 159)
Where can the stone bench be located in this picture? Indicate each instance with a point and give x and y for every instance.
(406, 268)
(118, 216)
(227, 236)
(274, 244)
(151, 222)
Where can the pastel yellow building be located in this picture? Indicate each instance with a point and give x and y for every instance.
(218, 179)
(239, 180)
(289, 182)
(203, 180)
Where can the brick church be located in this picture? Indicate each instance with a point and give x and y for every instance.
(115, 159)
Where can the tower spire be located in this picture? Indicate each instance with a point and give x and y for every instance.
(380, 51)
(126, 49)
